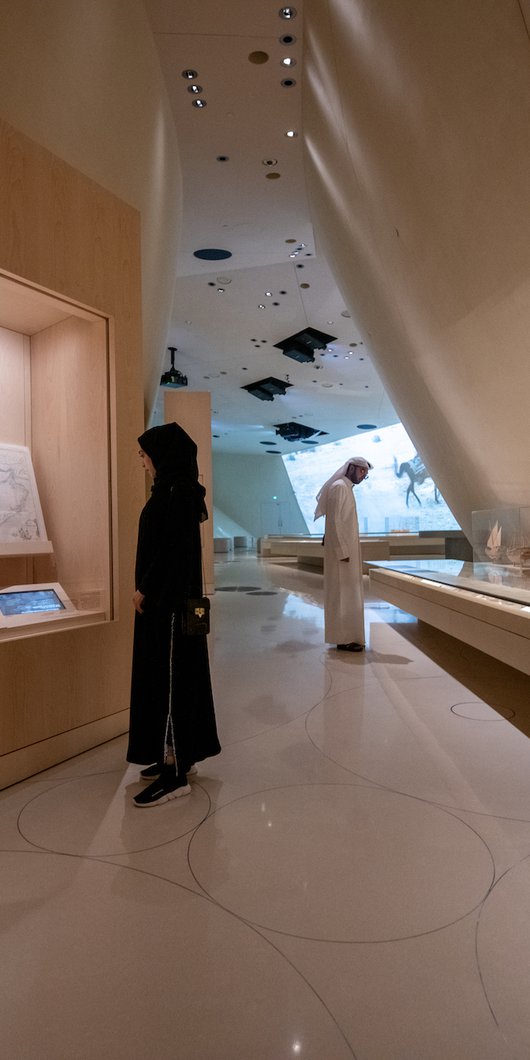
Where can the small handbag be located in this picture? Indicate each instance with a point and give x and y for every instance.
(196, 617)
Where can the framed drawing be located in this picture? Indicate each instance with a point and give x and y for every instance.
(22, 528)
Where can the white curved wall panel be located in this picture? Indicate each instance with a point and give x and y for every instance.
(84, 81)
(418, 164)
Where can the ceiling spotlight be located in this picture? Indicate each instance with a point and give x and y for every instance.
(287, 61)
(195, 89)
(220, 290)
(291, 133)
(269, 162)
(287, 13)
(287, 38)
(199, 103)
(189, 75)
(261, 306)
(173, 378)
(222, 158)
(268, 294)
(288, 82)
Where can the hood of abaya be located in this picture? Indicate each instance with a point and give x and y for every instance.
(174, 456)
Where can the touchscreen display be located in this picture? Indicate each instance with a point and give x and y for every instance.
(29, 602)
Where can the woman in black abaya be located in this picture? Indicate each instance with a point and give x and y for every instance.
(168, 572)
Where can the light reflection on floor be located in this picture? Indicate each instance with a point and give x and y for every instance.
(350, 878)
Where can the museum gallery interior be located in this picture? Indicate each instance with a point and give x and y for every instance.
(303, 233)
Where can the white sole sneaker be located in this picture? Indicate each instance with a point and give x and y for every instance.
(165, 796)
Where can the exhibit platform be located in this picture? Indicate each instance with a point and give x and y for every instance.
(486, 605)
(308, 553)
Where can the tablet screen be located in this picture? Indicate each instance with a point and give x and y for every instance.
(30, 601)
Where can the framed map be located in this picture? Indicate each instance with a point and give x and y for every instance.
(22, 526)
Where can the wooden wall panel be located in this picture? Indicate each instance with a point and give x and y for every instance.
(63, 232)
(14, 362)
(69, 399)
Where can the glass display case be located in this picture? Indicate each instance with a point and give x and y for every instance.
(56, 488)
(502, 582)
(501, 536)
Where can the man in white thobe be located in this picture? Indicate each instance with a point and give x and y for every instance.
(343, 581)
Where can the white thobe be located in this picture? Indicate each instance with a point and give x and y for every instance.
(343, 582)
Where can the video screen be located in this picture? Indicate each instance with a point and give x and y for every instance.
(398, 496)
(30, 602)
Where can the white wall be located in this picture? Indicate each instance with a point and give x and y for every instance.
(416, 129)
(82, 78)
(255, 492)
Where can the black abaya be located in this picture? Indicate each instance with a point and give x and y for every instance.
(168, 571)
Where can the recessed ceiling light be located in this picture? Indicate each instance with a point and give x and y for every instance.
(199, 103)
(223, 158)
(268, 294)
(288, 38)
(258, 58)
(290, 240)
(287, 13)
(220, 290)
(189, 75)
(212, 254)
(269, 162)
(195, 89)
(261, 306)
(291, 133)
(288, 82)
(305, 285)
(287, 61)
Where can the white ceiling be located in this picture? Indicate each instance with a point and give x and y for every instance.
(224, 339)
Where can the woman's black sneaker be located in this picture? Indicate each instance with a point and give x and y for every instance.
(167, 786)
(152, 772)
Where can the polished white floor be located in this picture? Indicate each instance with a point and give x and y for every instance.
(350, 878)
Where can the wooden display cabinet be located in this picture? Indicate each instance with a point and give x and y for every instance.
(56, 376)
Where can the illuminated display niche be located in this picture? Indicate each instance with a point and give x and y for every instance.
(55, 456)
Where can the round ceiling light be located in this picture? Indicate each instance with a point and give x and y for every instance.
(272, 176)
(189, 75)
(269, 162)
(288, 38)
(195, 89)
(367, 426)
(287, 61)
(290, 134)
(288, 82)
(199, 103)
(258, 58)
(212, 254)
(287, 13)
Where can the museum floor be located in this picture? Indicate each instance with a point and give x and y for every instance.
(350, 878)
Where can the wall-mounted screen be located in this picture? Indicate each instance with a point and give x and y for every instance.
(399, 494)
